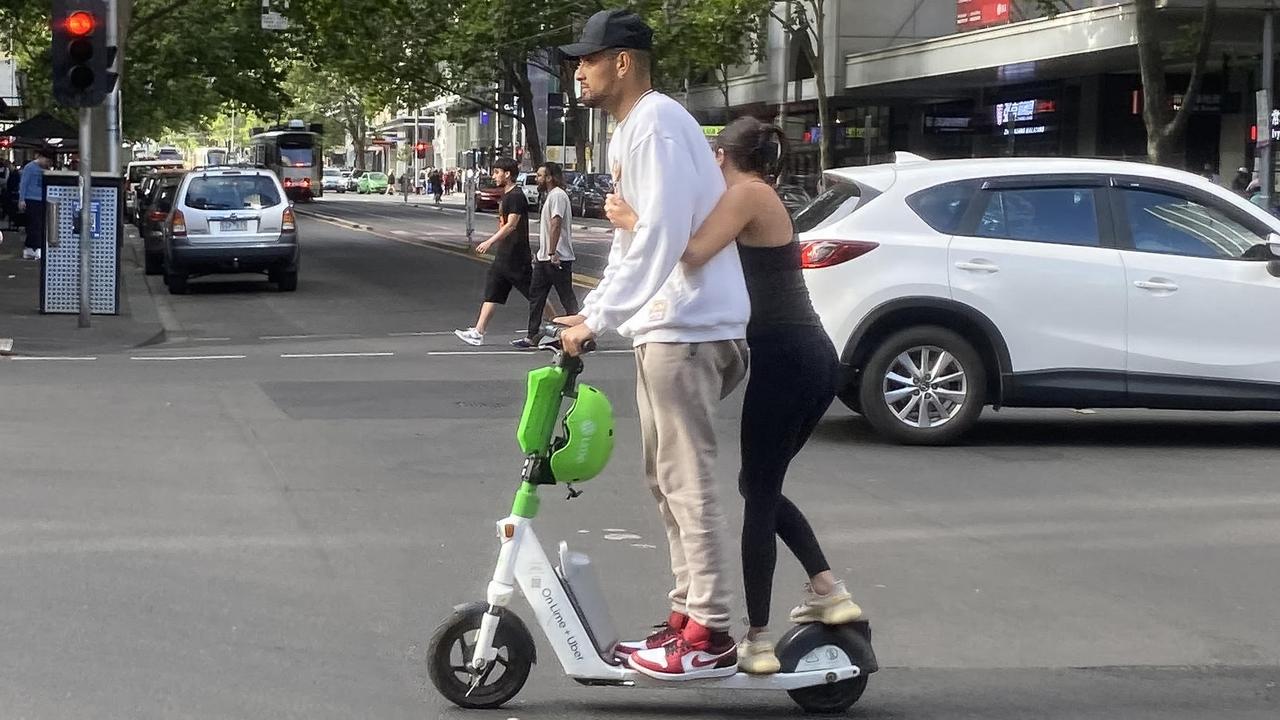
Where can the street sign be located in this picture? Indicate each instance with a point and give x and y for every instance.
(1264, 119)
(272, 20)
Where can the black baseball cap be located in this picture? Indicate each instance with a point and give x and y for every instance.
(608, 29)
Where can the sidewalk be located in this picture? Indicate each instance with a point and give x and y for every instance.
(32, 333)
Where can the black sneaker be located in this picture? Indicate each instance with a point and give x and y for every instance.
(524, 344)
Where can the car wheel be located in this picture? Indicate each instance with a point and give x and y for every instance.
(154, 263)
(286, 281)
(924, 385)
(176, 282)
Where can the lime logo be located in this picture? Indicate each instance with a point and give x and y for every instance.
(586, 431)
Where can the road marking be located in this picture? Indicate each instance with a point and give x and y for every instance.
(517, 352)
(420, 334)
(401, 232)
(187, 357)
(208, 339)
(306, 337)
(337, 355)
(66, 358)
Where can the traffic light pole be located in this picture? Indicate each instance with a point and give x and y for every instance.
(113, 98)
(86, 211)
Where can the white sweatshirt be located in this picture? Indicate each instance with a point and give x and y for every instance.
(669, 175)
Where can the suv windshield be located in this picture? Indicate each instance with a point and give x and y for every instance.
(835, 204)
(240, 192)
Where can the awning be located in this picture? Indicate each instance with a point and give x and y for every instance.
(42, 127)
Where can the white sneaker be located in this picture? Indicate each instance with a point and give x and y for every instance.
(836, 608)
(757, 657)
(37, 254)
(28, 254)
(470, 336)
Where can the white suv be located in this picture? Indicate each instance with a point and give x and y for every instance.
(1040, 282)
(231, 220)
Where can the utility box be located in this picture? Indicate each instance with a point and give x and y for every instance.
(60, 264)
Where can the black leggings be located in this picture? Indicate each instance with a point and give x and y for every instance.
(793, 381)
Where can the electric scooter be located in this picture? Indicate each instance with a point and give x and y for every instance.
(481, 655)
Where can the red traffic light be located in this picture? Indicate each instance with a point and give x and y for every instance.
(81, 23)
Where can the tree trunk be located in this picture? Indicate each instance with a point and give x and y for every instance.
(1165, 132)
(518, 70)
(724, 91)
(820, 83)
(575, 119)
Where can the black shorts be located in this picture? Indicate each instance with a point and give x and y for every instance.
(498, 285)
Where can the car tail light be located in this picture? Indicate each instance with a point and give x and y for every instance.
(288, 182)
(825, 253)
(179, 226)
(156, 215)
(306, 182)
(288, 223)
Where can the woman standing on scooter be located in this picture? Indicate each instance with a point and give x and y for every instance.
(794, 372)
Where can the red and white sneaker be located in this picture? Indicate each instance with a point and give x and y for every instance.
(697, 654)
(666, 633)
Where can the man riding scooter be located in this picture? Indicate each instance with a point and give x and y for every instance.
(688, 328)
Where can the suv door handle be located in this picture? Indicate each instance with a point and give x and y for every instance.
(979, 266)
(1158, 285)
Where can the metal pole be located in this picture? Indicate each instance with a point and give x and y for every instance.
(1267, 159)
(86, 212)
(113, 98)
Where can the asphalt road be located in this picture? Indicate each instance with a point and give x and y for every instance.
(267, 516)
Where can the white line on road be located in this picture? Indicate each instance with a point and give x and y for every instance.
(401, 232)
(517, 352)
(54, 357)
(208, 339)
(337, 355)
(420, 334)
(307, 337)
(188, 357)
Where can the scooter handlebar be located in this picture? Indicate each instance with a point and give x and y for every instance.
(551, 332)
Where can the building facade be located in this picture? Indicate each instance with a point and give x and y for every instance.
(972, 78)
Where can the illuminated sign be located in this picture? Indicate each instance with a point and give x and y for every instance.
(975, 14)
(1007, 113)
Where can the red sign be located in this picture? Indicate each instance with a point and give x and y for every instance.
(974, 14)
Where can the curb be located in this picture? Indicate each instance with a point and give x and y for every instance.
(586, 281)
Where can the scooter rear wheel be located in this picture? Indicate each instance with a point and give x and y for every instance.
(814, 646)
(450, 650)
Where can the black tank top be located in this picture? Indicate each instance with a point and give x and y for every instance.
(779, 297)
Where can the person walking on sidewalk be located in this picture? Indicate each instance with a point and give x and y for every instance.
(31, 202)
(436, 181)
(688, 328)
(553, 264)
(511, 267)
(794, 374)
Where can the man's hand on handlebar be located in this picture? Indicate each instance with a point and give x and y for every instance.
(573, 339)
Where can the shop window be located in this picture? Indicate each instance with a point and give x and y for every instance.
(1065, 216)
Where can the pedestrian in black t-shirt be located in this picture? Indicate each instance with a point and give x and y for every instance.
(512, 264)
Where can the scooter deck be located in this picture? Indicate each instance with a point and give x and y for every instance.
(626, 677)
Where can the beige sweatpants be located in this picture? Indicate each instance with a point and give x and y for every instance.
(678, 386)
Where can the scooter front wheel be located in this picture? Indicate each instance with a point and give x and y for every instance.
(449, 655)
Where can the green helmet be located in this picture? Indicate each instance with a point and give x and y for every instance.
(588, 438)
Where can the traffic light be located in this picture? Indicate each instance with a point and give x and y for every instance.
(82, 60)
(421, 149)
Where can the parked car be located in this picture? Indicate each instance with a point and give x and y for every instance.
(332, 180)
(371, 182)
(353, 180)
(168, 152)
(154, 216)
(1040, 282)
(587, 192)
(134, 173)
(488, 194)
(231, 220)
(528, 183)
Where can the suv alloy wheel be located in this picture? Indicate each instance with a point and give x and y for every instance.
(924, 385)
